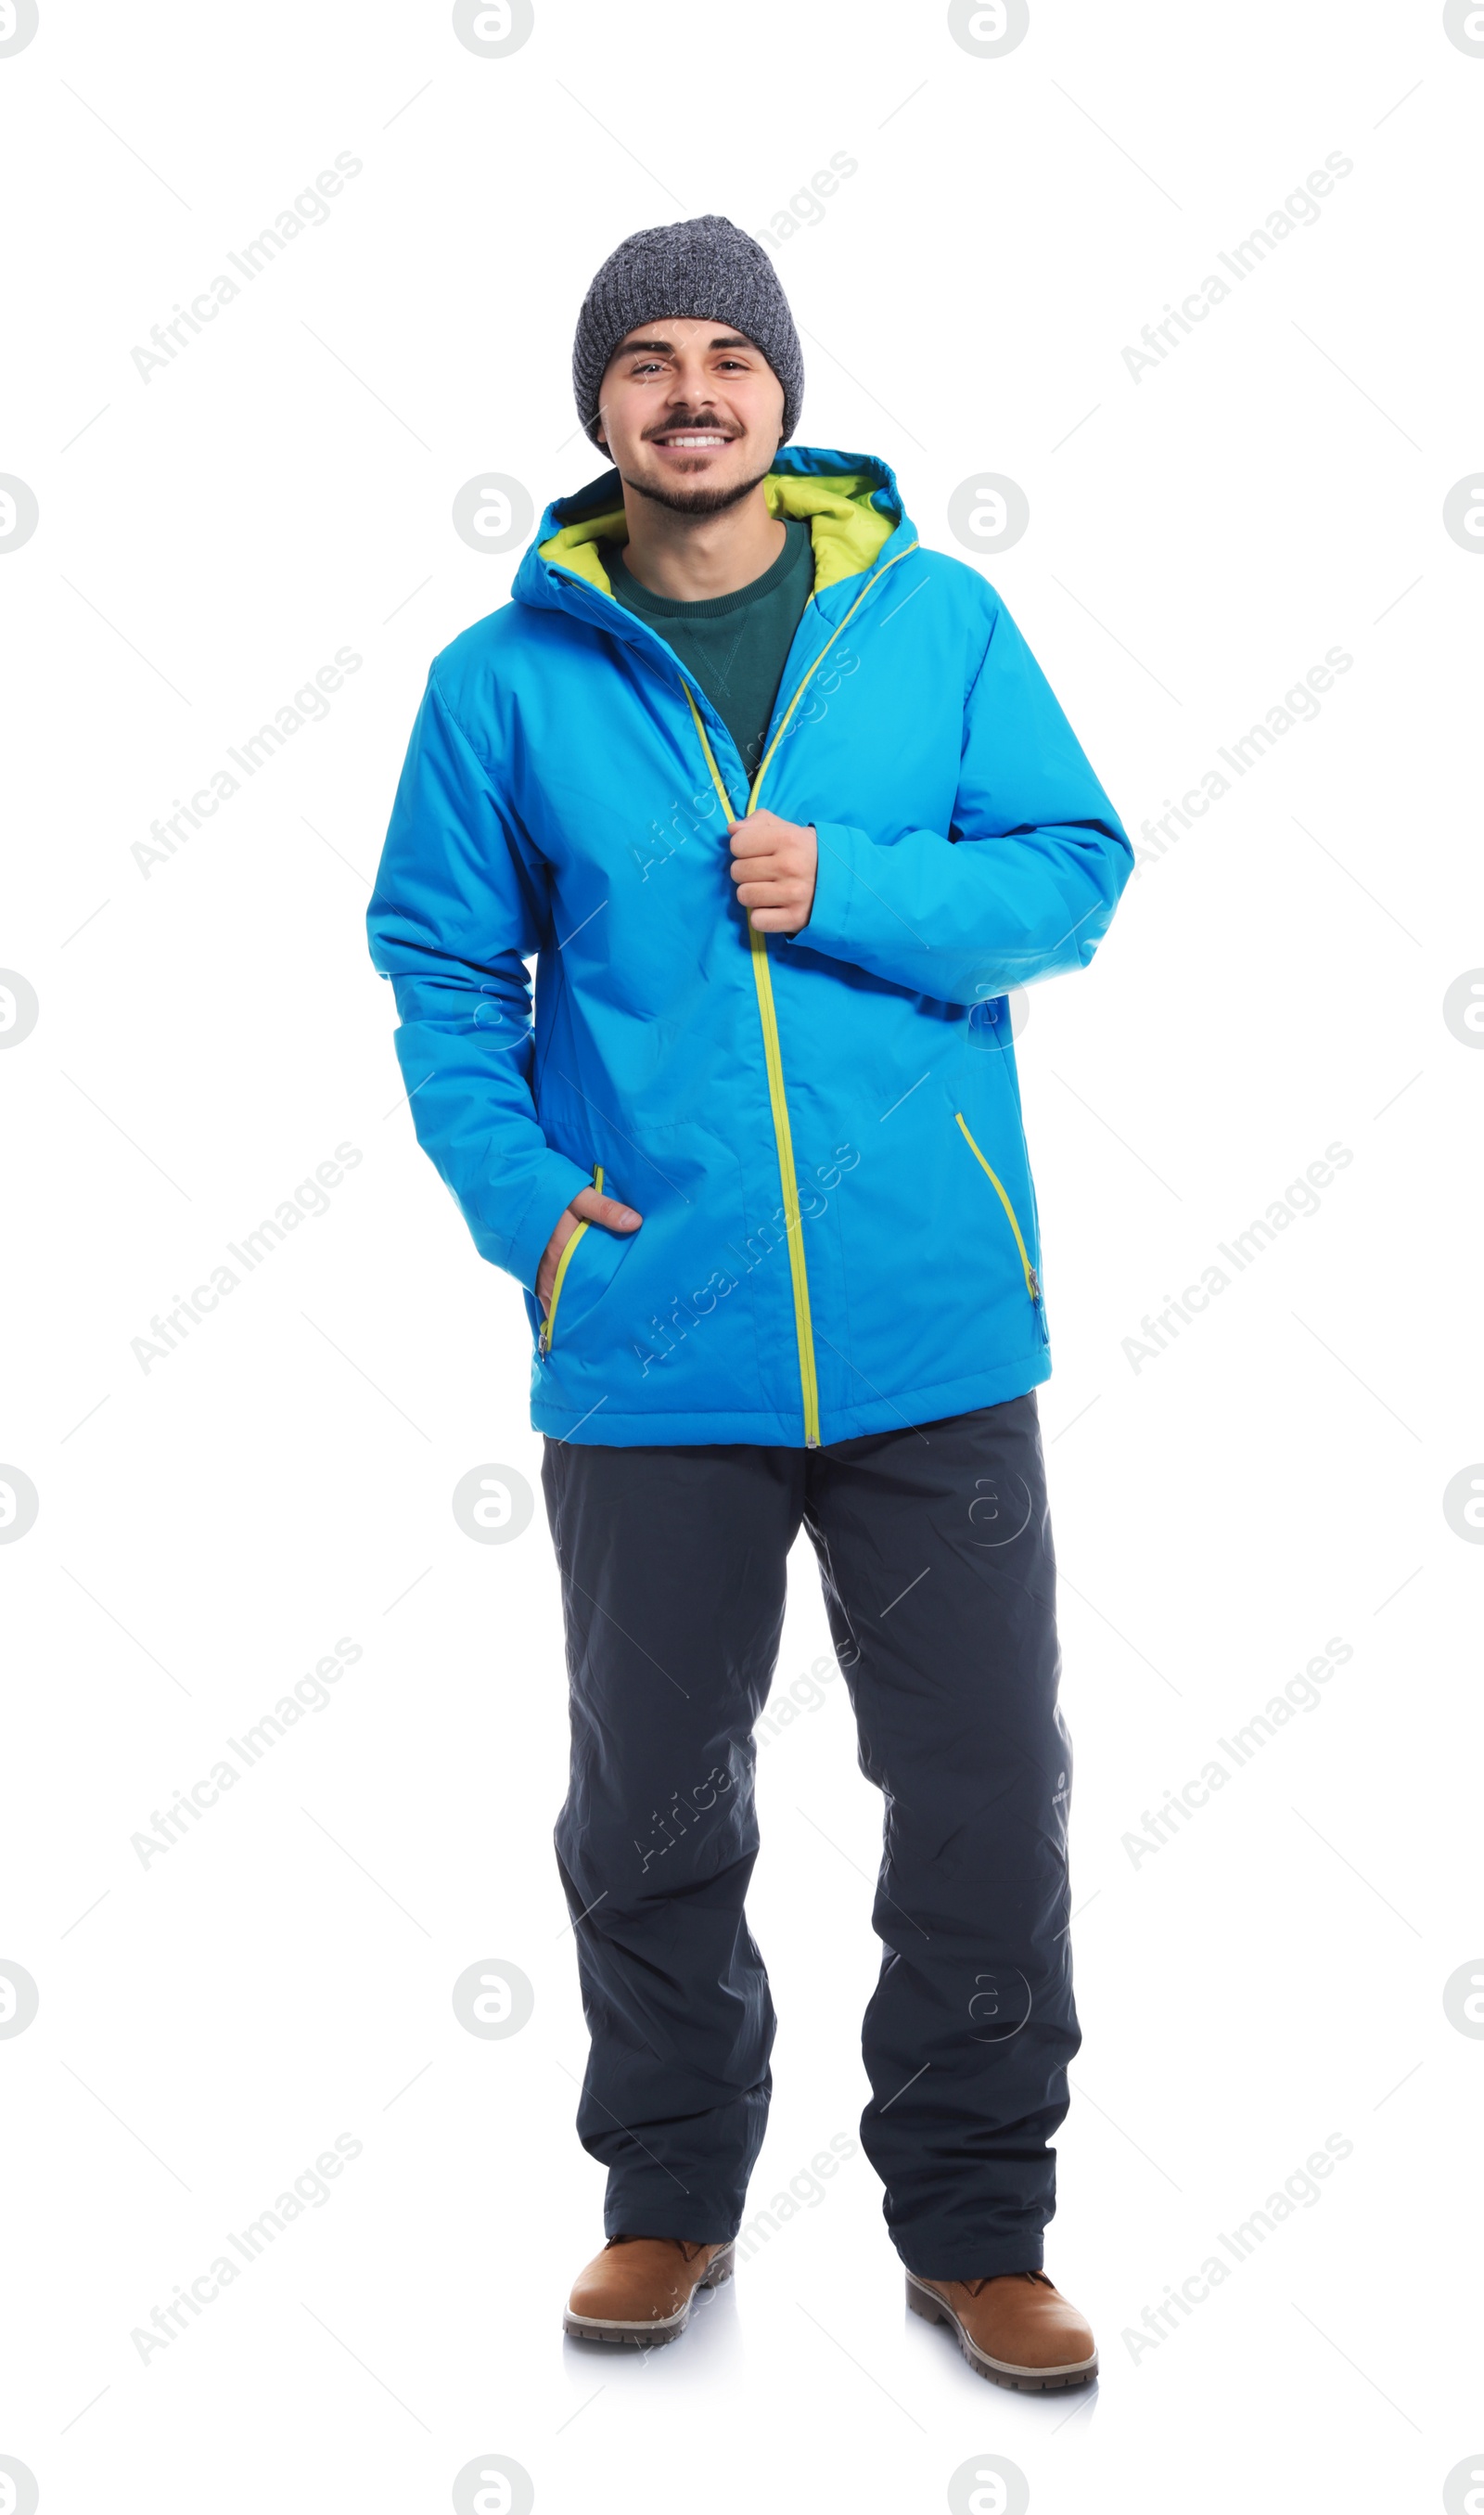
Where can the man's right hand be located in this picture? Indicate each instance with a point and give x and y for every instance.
(589, 1205)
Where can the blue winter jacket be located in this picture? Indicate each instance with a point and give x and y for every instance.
(821, 1130)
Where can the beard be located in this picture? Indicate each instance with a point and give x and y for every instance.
(700, 500)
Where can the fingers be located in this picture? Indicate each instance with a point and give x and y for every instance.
(768, 884)
(780, 858)
(773, 881)
(589, 1205)
(763, 833)
(790, 894)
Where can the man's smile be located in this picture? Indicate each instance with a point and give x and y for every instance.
(693, 440)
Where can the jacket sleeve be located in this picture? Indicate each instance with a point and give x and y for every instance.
(459, 905)
(1023, 883)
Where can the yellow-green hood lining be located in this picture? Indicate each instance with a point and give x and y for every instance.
(846, 531)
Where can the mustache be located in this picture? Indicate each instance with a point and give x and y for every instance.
(707, 419)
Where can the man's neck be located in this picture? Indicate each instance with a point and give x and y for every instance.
(695, 559)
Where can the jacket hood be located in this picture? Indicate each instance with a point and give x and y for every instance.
(850, 501)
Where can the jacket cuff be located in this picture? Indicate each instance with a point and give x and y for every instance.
(828, 928)
(558, 1180)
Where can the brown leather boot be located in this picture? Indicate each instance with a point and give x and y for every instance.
(640, 2290)
(1017, 2330)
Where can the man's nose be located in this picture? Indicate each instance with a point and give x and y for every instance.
(689, 385)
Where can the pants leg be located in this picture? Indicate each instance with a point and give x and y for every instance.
(673, 1565)
(935, 1548)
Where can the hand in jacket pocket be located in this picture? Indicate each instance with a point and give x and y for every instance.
(589, 1205)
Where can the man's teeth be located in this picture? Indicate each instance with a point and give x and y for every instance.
(710, 436)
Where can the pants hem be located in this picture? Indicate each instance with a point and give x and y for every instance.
(693, 2223)
(952, 2255)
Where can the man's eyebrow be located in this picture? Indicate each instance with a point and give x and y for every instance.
(665, 348)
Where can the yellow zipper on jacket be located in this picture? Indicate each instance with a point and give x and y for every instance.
(1031, 1280)
(762, 979)
(558, 1279)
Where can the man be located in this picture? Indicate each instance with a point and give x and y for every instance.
(783, 807)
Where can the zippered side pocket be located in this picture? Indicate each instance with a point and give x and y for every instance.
(549, 1323)
(1032, 1279)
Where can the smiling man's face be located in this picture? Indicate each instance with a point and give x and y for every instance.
(691, 414)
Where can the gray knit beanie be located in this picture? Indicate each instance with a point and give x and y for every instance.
(699, 268)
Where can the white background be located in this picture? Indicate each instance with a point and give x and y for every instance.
(207, 1035)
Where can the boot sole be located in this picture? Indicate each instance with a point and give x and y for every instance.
(933, 2308)
(652, 2334)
